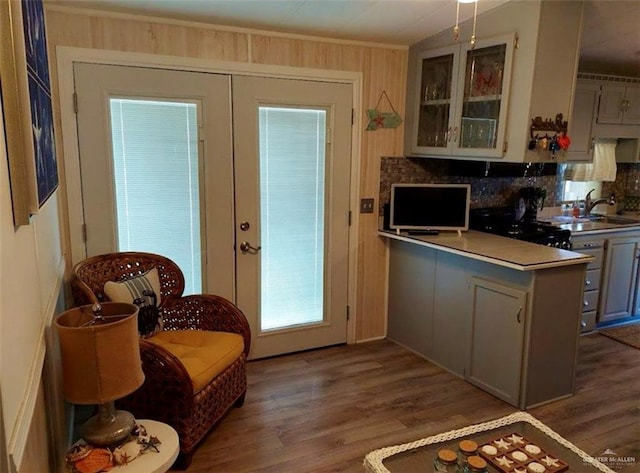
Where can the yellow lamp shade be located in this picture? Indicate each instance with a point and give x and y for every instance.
(100, 355)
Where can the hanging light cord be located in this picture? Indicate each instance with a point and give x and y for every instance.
(456, 29)
(475, 16)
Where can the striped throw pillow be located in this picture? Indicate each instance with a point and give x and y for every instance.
(144, 292)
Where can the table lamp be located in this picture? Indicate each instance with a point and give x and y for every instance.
(101, 363)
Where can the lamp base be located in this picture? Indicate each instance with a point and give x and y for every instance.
(108, 427)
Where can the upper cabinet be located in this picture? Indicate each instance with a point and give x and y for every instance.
(619, 105)
(604, 107)
(462, 107)
(585, 109)
(479, 103)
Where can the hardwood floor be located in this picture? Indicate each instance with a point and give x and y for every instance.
(324, 410)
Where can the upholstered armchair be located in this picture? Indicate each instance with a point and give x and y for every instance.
(189, 384)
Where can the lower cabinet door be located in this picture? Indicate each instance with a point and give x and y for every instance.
(620, 279)
(498, 314)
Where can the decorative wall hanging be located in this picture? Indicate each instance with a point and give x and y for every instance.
(558, 140)
(26, 99)
(378, 119)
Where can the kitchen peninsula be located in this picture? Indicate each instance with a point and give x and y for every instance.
(501, 313)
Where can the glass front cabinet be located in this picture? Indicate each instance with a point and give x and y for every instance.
(463, 99)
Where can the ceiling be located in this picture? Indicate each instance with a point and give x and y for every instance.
(611, 36)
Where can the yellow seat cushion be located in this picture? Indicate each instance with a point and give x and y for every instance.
(203, 353)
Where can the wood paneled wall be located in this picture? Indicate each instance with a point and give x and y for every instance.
(381, 68)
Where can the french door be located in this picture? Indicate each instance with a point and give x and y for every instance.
(257, 212)
(292, 160)
(154, 145)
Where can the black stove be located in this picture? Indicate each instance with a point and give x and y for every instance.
(502, 221)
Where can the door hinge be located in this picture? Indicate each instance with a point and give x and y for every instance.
(84, 232)
(75, 102)
(353, 116)
(348, 313)
(329, 131)
(349, 217)
(505, 147)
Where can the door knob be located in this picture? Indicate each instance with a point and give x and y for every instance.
(246, 247)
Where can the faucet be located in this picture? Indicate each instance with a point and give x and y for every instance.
(590, 204)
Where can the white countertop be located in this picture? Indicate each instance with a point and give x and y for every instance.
(502, 251)
(583, 226)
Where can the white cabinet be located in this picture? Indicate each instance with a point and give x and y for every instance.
(504, 330)
(485, 100)
(595, 248)
(619, 105)
(620, 278)
(411, 297)
(497, 338)
(464, 97)
(616, 115)
(585, 108)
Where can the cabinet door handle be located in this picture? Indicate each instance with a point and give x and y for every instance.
(518, 314)
(583, 324)
(448, 134)
(586, 303)
(587, 282)
(624, 106)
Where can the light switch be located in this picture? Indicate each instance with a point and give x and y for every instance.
(366, 205)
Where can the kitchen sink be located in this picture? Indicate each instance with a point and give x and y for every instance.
(613, 219)
(607, 219)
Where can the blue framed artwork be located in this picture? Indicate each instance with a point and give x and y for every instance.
(37, 61)
(28, 109)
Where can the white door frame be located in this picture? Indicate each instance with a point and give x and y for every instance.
(66, 56)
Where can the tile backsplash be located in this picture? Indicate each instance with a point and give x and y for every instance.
(485, 191)
(496, 191)
(626, 186)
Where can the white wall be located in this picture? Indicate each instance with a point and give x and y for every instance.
(31, 274)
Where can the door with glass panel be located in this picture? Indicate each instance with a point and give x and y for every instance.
(292, 162)
(156, 168)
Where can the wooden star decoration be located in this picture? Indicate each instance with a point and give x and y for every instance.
(504, 461)
(502, 444)
(549, 461)
(516, 439)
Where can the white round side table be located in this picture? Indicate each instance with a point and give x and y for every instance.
(155, 462)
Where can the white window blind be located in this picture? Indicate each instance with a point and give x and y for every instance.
(155, 154)
(292, 181)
